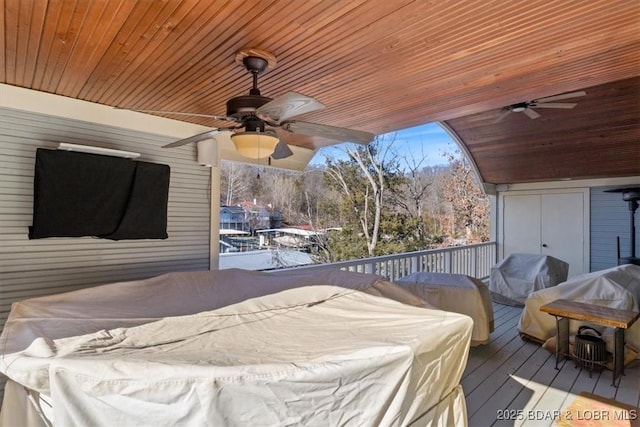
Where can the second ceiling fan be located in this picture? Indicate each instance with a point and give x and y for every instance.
(528, 107)
(254, 118)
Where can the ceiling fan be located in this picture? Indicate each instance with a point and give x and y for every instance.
(528, 107)
(253, 118)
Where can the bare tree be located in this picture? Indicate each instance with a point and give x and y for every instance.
(279, 191)
(416, 191)
(469, 204)
(363, 180)
(317, 200)
(235, 182)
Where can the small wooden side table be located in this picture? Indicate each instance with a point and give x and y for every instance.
(563, 310)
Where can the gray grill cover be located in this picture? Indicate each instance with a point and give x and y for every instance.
(514, 278)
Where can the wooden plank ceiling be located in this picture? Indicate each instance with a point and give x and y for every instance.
(377, 65)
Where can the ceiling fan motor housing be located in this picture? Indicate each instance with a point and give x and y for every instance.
(254, 124)
(245, 105)
(519, 107)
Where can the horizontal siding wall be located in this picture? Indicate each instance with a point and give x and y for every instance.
(610, 218)
(30, 268)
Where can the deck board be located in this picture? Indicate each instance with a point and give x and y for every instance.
(499, 394)
(509, 373)
(502, 334)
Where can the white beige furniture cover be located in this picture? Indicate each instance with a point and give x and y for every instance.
(514, 278)
(616, 287)
(458, 293)
(236, 348)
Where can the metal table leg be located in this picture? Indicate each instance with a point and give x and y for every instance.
(618, 356)
(562, 343)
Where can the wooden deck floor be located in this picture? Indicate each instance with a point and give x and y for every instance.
(512, 374)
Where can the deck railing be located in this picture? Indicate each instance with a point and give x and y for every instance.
(472, 260)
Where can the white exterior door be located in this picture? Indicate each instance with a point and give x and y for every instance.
(553, 223)
(562, 229)
(522, 223)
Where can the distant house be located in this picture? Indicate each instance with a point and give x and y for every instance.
(261, 217)
(277, 220)
(233, 218)
(239, 226)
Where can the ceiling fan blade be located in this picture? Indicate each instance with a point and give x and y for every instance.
(564, 105)
(531, 114)
(282, 151)
(502, 115)
(330, 132)
(562, 96)
(288, 105)
(179, 113)
(195, 138)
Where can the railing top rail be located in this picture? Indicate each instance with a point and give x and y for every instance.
(416, 253)
(378, 263)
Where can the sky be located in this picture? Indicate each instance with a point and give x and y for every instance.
(430, 141)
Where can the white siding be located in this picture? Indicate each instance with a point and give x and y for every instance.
(30, 268)
(610, 217)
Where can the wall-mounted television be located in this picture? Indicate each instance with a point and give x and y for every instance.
(80, 194)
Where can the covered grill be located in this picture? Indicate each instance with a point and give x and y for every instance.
(631, 195)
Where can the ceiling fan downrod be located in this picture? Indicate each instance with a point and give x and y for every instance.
(255, 65)
(244, 106)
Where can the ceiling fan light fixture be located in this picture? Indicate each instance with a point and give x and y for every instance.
(519, 107)
(255, 145)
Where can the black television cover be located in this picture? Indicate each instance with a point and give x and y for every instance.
(81, 194)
